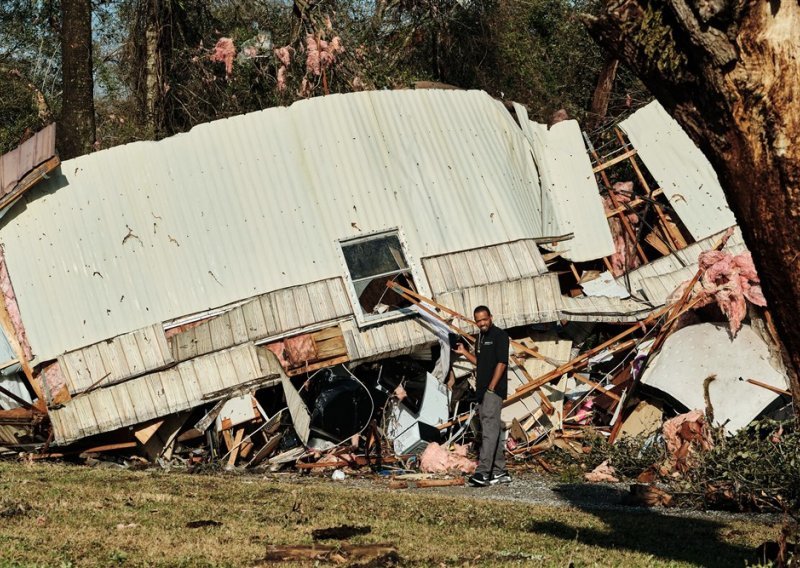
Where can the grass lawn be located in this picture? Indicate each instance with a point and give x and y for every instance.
(63, 515)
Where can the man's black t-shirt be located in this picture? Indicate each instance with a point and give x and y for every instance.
(491, 349)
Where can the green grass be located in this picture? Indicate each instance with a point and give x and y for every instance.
(62, 515)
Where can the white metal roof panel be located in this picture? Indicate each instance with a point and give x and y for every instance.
(571, 199)
(681, 170)
(142, 233)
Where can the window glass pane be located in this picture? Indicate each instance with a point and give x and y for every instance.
(374, 256)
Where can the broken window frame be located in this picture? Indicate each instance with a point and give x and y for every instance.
(363, 318)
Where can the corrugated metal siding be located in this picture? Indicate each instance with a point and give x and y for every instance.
(521, 302)
(182, 387)
(265, 316)
(151, 231)
(115, 360)
(15, 164)
(572, 202)
(603, 309)
(505, 262)
(681, 170)
(390, 339)
(668, 272)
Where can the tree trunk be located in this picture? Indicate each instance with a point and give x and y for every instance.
(602, 92)
(152, 45)
(76, 131)
(729, 72)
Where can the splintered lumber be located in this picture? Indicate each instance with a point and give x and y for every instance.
(419, 300)
(237, 442)
(356, 461)
(425, 483)
(623, 219)
(675, 239)
(768, 387)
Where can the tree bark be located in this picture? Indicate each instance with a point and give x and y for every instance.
(729, 72)
(76, 132)
(602, 92)
(152, 43)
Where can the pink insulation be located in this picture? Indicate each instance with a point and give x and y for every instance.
(686, 435)
(729, 281)
(321, 54)
(224, 52)
(624, 258)
(438, 459)
(12, 307)
(300, 349)
(603, 473)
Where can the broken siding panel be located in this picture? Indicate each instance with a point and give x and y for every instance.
(681, 170)
(602, 309)
(487, 265)
(522, 302)
(670, 264)
(105, 411)
(254, 320)
(117, 360)
(16, 164)
(569, 188)
(139, 399)
(385, 340)
(221, 331)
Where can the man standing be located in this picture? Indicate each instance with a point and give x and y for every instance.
(491, 383)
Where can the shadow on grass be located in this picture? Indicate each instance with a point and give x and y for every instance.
(693, 540)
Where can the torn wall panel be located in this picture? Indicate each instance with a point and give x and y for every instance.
(655, 281)
(259, 318)
(504, 262)
(681, 170)
(115, 360)
(569, 189)
(522, 302)
(693, 353)
(183, 387)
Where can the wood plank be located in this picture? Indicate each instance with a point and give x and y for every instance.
(149, 348)
(130, 349)
(269, 310)
(226, 371)
(341, 301)
(237, 444)
(158, 393)
(174, 393)
(113, 360)
(202, 335)
(254, 319)
(319, 301)
(285, 309)
(221, 331)
(238, 326)
(183, 345)
(616, 160)
(434, 274)
(333, 347)
(94, 362)
(207, 374)
(190, 382)
(74, 370)
(306, 310)
(320, 365)
(105, 411)
(146, 431)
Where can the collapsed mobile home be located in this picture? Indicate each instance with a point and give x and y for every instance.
(154, 278)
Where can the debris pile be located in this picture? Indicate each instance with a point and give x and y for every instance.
(640, 338)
